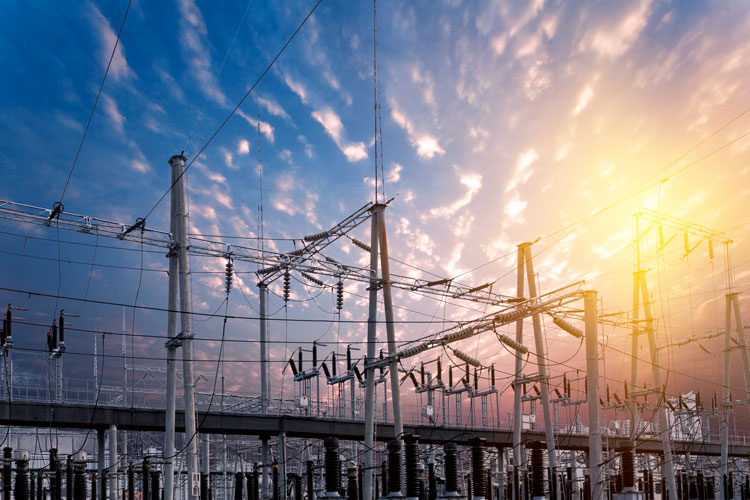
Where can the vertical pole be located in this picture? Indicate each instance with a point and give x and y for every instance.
(114, 488)
(668, 465)
(124, 382)
(191, 453)
(398, 428)
(733, 298)
(100, 458)
(282, 465)
(517, 387)
(172, 344)
(372, 337)
(264, 385)
(592, 370)
(636, 330)
(724, 423)
(549, 425)
(206, 463)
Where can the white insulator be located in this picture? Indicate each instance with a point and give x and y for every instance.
(413, 351)
(269, 270)
(509, 317)
(512, 343)
(564, 325)
(465, 357)
(317, 236)
(363, 246)
(313, 279)
(459, 335)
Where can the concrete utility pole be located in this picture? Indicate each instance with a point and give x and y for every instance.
(114, 488)
(180, 214)
(372, 337)
(124, 381)
(592, 373)
(640, 287)
(264, 384)
(398, 427)
(549, 424)
(518, 387)
(172, 344)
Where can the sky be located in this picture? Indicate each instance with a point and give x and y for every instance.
(501, 122)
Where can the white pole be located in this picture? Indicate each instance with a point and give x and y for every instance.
(592, 370)
(264, 386)
(372, 337)
(114, 488)
(172, 344)
(398, 428)
(517, 389)
(191, 453)
(664, 429)
(549, 424)
(724, 423)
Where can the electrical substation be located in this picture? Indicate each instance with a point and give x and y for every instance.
(479, 404)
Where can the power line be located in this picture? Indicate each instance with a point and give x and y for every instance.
(91, 115)
(231, 113)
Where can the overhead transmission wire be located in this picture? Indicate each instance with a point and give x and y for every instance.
(233, 111)
(218, 73)
(91, 115)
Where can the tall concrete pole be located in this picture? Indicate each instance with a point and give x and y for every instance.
(114, 488)
(398, 427)
(549, 424)
(264, 384)
(124, 381)
(635, 331)
(724, 423)
(372, 338)
(517, 387)
(664, 429)
(100, 459)
(172, 344)
(191, 453)
(592, 371)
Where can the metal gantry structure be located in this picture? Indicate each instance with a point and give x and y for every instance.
(311, 262)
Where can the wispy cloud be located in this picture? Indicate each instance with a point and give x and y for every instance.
(273, 107)
(333, 126)
(116, 119)
(243, 147)
(473, 183)
(296, 87)
(193, 34)
(265, 127)
(522, 172)
(584, 97)
(426, 145)
(107, 38)
(616, 37)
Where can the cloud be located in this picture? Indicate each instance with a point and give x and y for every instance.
(193, 33)
(139, 166)
(522, 173)
(107, 37)
(427, 145)
(333, 126)
(394, 175)
(113, 113)
(296, 87)
(272, 107)
(228, 160)
(473, 183)
(265, 127)
(169, 82)
(616, 38)
(584, 97)
(243, 147)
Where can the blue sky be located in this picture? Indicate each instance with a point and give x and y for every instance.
(502, 122)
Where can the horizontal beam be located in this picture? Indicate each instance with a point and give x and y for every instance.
(67, 416)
